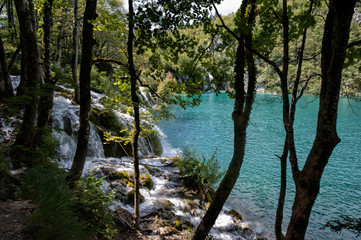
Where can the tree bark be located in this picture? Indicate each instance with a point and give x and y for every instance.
(334, 45)
(135, 101)
(33, 74)
(241, 115)
(6, 86)
(74, 60)
(59, 44)
(85, 100)
(46, 101)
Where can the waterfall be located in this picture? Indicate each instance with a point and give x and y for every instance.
(65, 117)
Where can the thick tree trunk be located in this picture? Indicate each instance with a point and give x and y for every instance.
(74, 60)
(241, 114)
(46, 101)
(135, 101)
(334, 45)
(85, 100)
(33, 74)
(6, 89)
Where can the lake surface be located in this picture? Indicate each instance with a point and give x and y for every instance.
(209, 127)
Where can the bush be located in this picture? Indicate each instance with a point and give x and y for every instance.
(63, 213)
(199, 173)
(54, 218)
(92, 205)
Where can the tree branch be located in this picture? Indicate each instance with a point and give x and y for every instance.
(223, 24)
(267, 60)
(306, 83)
(96, 60)
(353, 44)
(147, 86)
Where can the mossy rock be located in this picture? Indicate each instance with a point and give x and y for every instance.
(235, 214)
(146, 181)
(130, 196)
(166, 204)
(130, 184)
(148, 169)
(175, 161)
(121, 175)
(106, 121)
(178, 224)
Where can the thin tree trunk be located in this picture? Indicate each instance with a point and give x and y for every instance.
(334, 45)
(74, 60)
(282, 195)
(7, 87)
(13, 59)
(46, 101)
(135, 101)
(241, 114)
(20, 91)
(34, 76)
(59, 44)
(85, 100)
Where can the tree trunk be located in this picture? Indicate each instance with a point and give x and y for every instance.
(13, 59)
(59, 44)
(282, 195)
(6, 86)
(46, 101)
(135, 101)
(334, 45)
(241, 114)
(85, 100)
(33, 75)
(74, 60)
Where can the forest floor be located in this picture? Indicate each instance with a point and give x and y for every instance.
(13, 217)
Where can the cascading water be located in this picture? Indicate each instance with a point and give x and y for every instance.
(65, 120)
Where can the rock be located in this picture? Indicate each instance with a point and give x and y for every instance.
(121, 175)
(148, 169)
(130, 196)
(146, 181)
(125, 214)
(166, 204)
(235, 214)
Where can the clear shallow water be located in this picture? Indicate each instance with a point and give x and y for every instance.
(209, 127)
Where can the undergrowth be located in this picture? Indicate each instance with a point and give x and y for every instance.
(199, 172)
(64, 213)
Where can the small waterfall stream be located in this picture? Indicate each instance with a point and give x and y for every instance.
(167, 186)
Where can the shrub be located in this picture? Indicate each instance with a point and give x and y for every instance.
(199, 173)
(54, 218)
(64, 213)
(92, 205)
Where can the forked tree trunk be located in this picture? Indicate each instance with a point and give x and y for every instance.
(85, 100)
(241, 115)
(334, 45)
(74, 60)
(135, 101)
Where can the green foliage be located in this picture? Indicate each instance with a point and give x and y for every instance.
(63, 213)
(199, 173)
(62, 74)
(54, 217)
(92, 205)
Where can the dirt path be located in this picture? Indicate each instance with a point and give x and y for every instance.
(13, 215)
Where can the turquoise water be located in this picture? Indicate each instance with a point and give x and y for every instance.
(209, 127)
